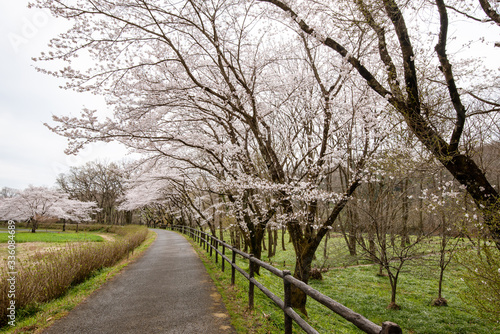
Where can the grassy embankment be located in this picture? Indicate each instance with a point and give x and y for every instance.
(357, 285)
(54, 273)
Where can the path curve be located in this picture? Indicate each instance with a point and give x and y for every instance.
(167, 290)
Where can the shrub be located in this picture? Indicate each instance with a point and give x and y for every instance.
(482, 278)
(48, 275)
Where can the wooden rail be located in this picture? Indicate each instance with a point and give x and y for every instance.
(212, 244)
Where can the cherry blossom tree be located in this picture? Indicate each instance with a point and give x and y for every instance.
(408, 64)
(149, 191)
(36, 204)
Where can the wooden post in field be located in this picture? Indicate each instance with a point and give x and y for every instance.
(211, 245)
(250, 285)
(223, 253)
(233, 263)
(288, 301)
(216, 243)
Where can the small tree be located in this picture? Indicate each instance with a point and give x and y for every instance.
(444, 206)
(386, 246)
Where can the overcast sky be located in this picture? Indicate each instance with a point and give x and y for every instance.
(29, 152)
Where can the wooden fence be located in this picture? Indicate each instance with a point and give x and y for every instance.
(212, 244)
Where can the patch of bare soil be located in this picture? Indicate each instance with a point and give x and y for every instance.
(107, 237)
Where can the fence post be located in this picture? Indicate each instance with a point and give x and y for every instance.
(288, 301)
(211, 245)
(250, 285)
(216, 249)
(233, 263)
(223, 253)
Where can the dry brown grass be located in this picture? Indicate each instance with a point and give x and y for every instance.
(48, 274)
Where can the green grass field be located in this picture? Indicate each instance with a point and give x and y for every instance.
(56, 237)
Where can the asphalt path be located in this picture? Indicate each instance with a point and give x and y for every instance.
(167, 290)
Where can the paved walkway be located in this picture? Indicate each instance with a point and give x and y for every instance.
(167, 290)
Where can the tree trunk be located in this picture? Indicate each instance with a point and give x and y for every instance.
(245, 244)
(302, 272)
(269, 243)
(221, 231)
(325, 249)
(352, 244)
(264, 241)
(34, 225)
(349, 231)
(371, 242)
(394, 285)
(405, 239)
(283, 233)
(440, 285)
(466, 171)
(421, 211)
(440, 301)
(255, 241)
(236, 236)
(129, 215)
(275, 241)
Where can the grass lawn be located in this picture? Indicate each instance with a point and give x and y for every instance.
(360, 289)
(57, 237)
(357, 286)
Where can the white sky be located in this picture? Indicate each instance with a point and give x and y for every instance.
(29, 152)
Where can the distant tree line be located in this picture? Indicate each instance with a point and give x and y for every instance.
(99, 182)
